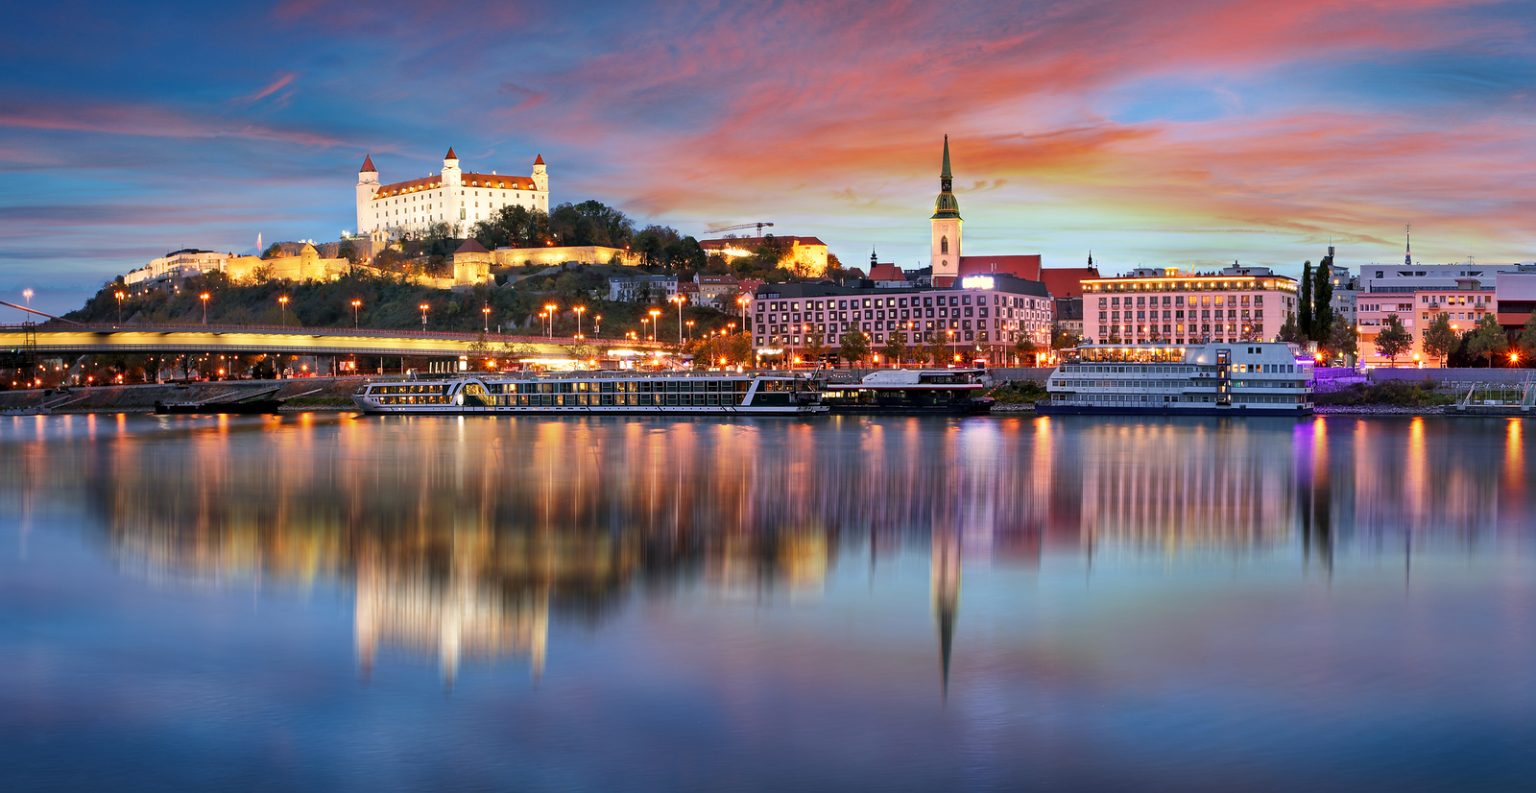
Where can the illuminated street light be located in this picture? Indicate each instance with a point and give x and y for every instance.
(551, 307)
(119, 294)
(597, 320)
(204, 297)
(579, 311)
(485, 314)
(423, 308)
(689, 323)
(282, 302)
(356, 304)
(655, 312)
(679, 300)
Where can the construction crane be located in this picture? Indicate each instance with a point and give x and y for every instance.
(741, 226)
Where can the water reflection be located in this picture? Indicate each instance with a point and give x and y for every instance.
(463, 538)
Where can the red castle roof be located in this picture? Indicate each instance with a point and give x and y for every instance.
(539, 160)
(450, 155)
(368, 165)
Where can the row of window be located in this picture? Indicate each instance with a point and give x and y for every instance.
(1204, 314)
(1178, 300)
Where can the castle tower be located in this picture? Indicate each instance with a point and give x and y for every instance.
(540, 175)
(945, 253)
(367, 186)
(454, 211)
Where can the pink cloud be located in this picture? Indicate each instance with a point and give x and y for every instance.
(271, 88)
(150, 121)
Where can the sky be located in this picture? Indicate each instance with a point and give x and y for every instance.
(1189, 133)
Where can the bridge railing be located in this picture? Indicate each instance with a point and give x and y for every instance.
(389, 333)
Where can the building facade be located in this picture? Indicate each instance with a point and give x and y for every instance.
(451, 196)
(1152, 305)
(1463, 291)
(984, 317)
(806, 257)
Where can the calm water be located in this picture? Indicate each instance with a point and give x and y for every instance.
(336, 603)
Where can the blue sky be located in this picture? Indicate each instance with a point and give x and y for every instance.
(1188, 134)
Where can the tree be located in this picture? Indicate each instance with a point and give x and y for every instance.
(1393, 340)
(854, 347)
(1024, 348)
(895, 349)
(1527, 340)
(1487, 339)
(1304, 303)
(935, 352)
(1063, 339)
(513, 227)
(1440, 339)
(590, 223)
(1341, 338)
(1289, 331)
(1322, 299)
(815, 348)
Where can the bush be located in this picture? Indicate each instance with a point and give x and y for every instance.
(1398, 393)
(1018, 392)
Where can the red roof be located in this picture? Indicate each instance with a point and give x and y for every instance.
(450, 155)
(471, 245)
(539, 160)
(368, 165)
(469, 180)
(424, 183)
(1023, 266)
(1067, 281)
(752, 242)
(494, 180)
(885, 271)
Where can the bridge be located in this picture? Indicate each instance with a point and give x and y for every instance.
(56, 338)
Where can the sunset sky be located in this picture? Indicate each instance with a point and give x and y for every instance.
(1182, 133)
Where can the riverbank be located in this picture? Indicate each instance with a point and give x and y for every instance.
(309, 393)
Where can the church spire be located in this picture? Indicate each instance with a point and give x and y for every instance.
(1408, 245)
(946, 206)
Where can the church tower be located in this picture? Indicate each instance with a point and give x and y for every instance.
(367, 186)
(946, 228)
(455, 213)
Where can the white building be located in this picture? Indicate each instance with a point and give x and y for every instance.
(452, 196)
(985, 315)
(1152, 304)
(1417, 293)
(179, 265)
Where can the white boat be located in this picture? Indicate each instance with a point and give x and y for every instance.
(1227, 379)
(912, 392)
(598, 393)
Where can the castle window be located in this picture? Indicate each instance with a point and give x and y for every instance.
(944, 245)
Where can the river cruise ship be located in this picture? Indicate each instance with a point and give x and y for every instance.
(598, 393)
(1227, 379)
(912, 391)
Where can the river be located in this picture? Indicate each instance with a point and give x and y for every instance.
(338, 603)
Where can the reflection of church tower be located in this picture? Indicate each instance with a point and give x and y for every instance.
(944, 584)
(945, 257)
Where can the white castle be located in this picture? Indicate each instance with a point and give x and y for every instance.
(454, 197)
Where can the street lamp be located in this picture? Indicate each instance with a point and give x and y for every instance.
(356, 304)
(579, 311)
(679, 300)
(204, 297)
(119, 294)
(689, 323)
(282, 302)
(485, 314)
(741, 303)
(643, 332)
(655, 312)
(424, 308)
(597, 319)
(550, 307)
(953, 345)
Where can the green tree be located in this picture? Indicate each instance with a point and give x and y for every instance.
(1063, 339)
(1487, 339)
(815, 349)
(1341, 338)
(854, 347)
(1526, 343)
(1304, 303)
(895, 349)
(1440, 339)
(1024, 349)
(1289, 331)
(513, 227)
(1322, 299)
(1393, 340)
(590, 223)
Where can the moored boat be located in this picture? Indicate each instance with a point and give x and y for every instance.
(598, 393)
(912, 391)
(1226, 379)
